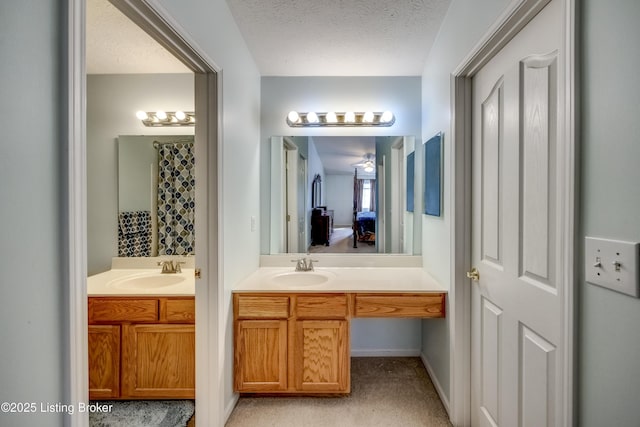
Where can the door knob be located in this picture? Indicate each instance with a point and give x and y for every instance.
(474, 274)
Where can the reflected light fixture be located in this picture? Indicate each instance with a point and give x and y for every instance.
(167, 118)
(368, 166)
(340, 119)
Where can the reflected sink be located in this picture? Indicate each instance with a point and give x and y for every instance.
(147, 281)
(301, 278)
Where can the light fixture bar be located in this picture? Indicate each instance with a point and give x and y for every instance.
(167, 118)
(345, 119)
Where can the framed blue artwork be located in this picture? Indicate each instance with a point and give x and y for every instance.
(411, 169)
(433, 175)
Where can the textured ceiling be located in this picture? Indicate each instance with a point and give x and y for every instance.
(339, 154)
(287, 38)
(339, 37)
(115, 45)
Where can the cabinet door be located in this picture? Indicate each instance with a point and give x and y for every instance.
(104, 361)
(322, 362)
(260, 355)
(158, 361)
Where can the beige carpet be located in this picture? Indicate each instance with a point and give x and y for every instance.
(385, 392)
(341, 241)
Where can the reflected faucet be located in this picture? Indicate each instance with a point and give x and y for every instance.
(170, 267)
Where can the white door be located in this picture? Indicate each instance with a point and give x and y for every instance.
(301, 204)
(381, 223)
(291, 198)
(517, 303)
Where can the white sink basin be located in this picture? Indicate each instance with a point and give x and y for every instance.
(301, 278)
(146, 281)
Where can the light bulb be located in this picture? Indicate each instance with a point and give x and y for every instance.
(349, 117)
(368, 117)
(293, 116)
(142, 115)
(368, 168)
(331, 117)
(180, 115)
(386, 117)
(161, 115)
(312, 117)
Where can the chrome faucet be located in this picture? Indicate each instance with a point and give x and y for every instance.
(304, 264)
(170, 267)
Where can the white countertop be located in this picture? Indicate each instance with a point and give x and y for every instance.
(113, 283)
(344, 279)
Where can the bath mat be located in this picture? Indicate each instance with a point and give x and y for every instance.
(143, 413)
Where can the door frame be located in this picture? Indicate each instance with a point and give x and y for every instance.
(159, 24)
(513, 19)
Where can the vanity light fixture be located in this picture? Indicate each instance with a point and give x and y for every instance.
(167, 118)
(349, 118)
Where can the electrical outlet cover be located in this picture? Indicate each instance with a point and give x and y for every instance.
(613, 264)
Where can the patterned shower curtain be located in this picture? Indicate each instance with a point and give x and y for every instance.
(176, 198)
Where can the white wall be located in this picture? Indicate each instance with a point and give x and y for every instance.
(112, 101)
(211, 26)
(609, 350)
(34, 252)
(465, 23)
(339, 191)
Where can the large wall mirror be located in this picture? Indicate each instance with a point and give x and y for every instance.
(156, 197)
(341, 195)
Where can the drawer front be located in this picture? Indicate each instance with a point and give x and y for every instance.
(399, 305)
(321, 306)
(178, 310)
(122, 310)
(262, 307)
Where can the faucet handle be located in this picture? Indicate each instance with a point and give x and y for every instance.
(177, 267)
(310, 263)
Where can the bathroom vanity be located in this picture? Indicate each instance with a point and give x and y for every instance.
(141, 335)
(291, 330)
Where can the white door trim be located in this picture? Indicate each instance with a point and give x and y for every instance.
(515, 17)
(158, 23)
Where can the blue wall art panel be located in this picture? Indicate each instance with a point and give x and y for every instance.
(433, 175)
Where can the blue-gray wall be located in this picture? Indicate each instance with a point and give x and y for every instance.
(33, 254)
(465, 23)
(609, 350)
(112, 101)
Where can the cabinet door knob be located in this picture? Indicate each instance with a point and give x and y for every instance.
(474, 274)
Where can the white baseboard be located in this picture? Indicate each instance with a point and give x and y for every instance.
(436, 383)
(404, 352)
(230, 407)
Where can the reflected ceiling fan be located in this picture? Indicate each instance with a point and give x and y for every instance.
(368, 163)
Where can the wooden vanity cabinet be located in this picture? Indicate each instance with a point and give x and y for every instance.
(141, 347)
(104, 361)
(291, 343)
(298, 343)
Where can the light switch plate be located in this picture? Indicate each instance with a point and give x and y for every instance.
(613, 264)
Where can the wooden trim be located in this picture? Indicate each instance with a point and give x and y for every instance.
(265, 307)
(113, 310)
(324, 306)
(399, 305)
